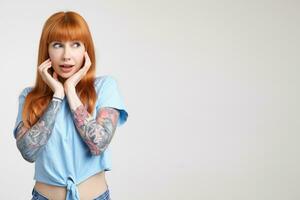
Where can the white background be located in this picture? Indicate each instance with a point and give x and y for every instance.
(211, 88)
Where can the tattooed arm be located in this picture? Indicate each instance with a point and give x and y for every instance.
(97, 134)
(31, 140)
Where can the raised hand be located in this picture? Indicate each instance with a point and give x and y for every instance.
(72, 81)
(52, 82)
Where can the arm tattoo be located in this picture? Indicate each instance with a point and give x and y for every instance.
(98, 133)
(30, 141)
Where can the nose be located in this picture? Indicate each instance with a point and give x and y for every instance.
(66, 55)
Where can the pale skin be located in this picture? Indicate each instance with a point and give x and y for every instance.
(96, 133)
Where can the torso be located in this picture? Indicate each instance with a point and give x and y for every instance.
(89, 189)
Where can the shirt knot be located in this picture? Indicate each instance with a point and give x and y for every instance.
(72, 192)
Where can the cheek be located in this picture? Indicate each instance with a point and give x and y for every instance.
(54, 63)
(54, 56)
(80, 59)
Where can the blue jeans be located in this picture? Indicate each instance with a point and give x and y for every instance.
(38, 196)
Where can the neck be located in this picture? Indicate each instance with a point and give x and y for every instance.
(61, 79)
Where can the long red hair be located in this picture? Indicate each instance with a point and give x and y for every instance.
(61, 26)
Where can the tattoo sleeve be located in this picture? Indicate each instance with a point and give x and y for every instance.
(31, 141)
(97, 134)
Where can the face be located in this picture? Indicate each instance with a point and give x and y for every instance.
(66, 57)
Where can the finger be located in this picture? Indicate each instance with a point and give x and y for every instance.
(42, 66)
(85, 68)
(87, 63)
(45, 62)
(46, 67)
(45, 70)
(87, 58)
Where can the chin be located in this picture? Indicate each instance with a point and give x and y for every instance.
(66, 75)
(63, 77)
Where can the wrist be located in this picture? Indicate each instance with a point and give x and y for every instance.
(69, 89)
(54, 98)
(58, 95)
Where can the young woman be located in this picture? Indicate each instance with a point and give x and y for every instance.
(67, 120)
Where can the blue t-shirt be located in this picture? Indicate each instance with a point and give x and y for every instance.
(66, 160)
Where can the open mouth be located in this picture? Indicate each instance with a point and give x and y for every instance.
(66, 68)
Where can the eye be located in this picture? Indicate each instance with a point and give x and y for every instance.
(56, 44)
(77, 44)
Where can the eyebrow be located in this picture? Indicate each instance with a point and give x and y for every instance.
(63, 42)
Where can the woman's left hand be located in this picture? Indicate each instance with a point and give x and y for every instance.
(75, 78)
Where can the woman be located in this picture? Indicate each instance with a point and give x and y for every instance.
(67, 120)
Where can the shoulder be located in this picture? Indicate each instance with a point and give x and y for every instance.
(104, 81)
(25, 91)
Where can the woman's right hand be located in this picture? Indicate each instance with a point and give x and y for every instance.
(52, 82)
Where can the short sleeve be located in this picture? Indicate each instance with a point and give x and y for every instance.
(22, 97)
(110, 96)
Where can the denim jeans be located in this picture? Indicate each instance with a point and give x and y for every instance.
(37, 196)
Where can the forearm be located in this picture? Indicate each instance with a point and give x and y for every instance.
(32, 141)
(97, 134)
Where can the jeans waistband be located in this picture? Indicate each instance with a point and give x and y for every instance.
(37, 196)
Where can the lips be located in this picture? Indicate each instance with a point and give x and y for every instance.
(66, 66)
